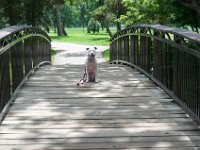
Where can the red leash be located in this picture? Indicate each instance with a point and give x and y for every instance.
(83, 79)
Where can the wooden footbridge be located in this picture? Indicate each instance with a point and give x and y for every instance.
(148, 97)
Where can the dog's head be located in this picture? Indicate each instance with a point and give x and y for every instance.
(91, 52)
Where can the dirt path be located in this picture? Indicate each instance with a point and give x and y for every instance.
(74, 54)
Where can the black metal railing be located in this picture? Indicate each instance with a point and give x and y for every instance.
(21, 49)
(169, 56)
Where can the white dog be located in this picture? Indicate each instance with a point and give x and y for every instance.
(91, 66)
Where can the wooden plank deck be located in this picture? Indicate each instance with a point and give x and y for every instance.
(124, 111)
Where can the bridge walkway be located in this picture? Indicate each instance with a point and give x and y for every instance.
(125, 110)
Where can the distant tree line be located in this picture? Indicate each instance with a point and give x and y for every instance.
(59, 14)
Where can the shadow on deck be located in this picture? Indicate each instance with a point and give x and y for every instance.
(125, 110)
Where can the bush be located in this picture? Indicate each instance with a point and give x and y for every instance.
(106, 54)
(93, 26)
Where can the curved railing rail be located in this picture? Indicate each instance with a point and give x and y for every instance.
(169, 56)
(21, 49)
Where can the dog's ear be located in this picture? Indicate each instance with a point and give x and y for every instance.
(95, 48)
(87, 49)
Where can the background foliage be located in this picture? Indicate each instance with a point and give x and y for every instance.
(61, 14)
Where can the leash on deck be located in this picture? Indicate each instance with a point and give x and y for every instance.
(83, 79)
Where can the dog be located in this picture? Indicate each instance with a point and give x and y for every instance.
(91, 67)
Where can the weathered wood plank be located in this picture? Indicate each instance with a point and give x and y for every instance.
(107, 85)
(166, 121)
(113, 146)
(102, 109)
(136, 100)
(91, 88)
(19, 116)
(149, 127)
(88, 94)
(97, 128)
(61, 147)
(124, 111)
(87, 124)
(103, 140)
(92, 133)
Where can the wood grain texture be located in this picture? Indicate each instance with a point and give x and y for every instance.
(125, 110)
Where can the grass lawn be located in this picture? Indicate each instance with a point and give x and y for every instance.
(76, 35)
(106, 55)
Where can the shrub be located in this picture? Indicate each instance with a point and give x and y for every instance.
(93, 26)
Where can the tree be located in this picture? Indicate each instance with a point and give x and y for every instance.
(82, 7)
(60, 28)
(58, 21)
(93, 25)
(118, 8)
(186, 18)
(104, 17)
(69, 15)
(3, 20)
(11, 10)
(31, 12)
(148, 11)
(192, 4)
(166, 12)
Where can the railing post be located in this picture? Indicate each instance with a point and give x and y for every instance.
(17, 61)
(156, 58)
(45, 56)
(126, 48)
(145, 53)
(170, 67)
(35, 45)
(198, 88)
(119, 49)
(114, 56)
(134, 48)
(48, 51)
(28, 60)
(111, 52)
(40, 49)
(5, 92)
(177, 69)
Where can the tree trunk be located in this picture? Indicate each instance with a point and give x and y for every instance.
(54, 23)
(118, 23)
(58, 22)
(118, 26)
(63, 30)
(108, 30)
(33, 16)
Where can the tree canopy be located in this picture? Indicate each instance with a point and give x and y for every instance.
(59, 14)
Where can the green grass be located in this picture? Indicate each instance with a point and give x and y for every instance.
(52, 54)
(106, 54)
(76, 35)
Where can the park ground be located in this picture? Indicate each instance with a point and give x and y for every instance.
(72, 48)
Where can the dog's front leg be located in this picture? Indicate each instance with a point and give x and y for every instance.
(96, 75)
(87, 75)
